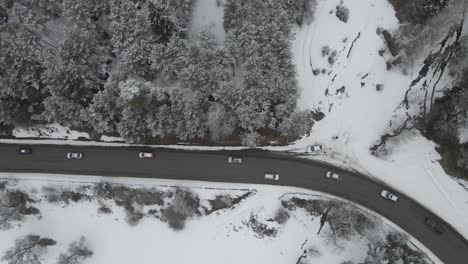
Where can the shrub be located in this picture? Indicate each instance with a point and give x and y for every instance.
(260, 229)
(342, 13)
(184, 205)
(251, 139)
(281, 216)
(77, 252)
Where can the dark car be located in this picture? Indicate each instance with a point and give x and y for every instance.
(24, 151)
(434, 225)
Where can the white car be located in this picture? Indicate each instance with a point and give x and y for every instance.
(314, 148)
(74, 155)
(235, 160)
(388, 195)
(334, 176)
(272, 176)
(146, 155)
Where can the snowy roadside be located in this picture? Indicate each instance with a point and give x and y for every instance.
(247, 227)
(359, 98)
(361, 101)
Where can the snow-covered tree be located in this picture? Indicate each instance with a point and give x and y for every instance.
(77, 252)
(299, 11)
(169, 60)
(72, 77)
(220, 122)
(394, 249)
(131, 37)
(141, 105)
(21, 65)
(263, 91)
(418, 11)
(206, 65)
(105, 111)
(28, 250)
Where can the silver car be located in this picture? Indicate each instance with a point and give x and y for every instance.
(235, 160)
(314, 148)
(334, 176)
(146, 155)
(74, 155)
(272, 176)
(388, 195)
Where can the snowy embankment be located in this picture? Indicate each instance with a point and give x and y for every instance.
(360, 99)
(342, 74)
(265, 225)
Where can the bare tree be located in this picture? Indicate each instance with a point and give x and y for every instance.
(13, 205)
(77, 252)
(28, 250)
(8, 214)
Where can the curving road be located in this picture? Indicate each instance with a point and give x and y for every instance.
(450, 247)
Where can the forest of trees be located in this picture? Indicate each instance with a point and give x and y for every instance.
(130, 68)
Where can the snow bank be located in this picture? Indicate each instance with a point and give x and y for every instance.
(358, 114)
(49, 131)
(221, 237)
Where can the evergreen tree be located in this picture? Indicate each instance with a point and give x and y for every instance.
(21, 66)
(264, 90)
(72, 77)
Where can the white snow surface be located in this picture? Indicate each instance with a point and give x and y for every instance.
(360, 114)
(49, 131)
(208, 14)
(222, 237)
(463, 135)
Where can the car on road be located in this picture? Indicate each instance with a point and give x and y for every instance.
(24, 150)
(271, 176)
(146, 155)
(388, 195)
(235, 160)
(74, 155)
(314, 148)
(434, 225)
(332, 175)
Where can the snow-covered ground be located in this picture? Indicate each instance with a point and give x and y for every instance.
(55, 131)
(221, 237)
(208, 14)
(355, 111)
(463, 135)
(358, 114)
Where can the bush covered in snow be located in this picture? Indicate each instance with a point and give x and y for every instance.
(251, 139)
(300, 11)
(184, 205)
(426, 24)
(395, 249)
(260, 229)
(418, 11)
(342, 12)
(344, 221)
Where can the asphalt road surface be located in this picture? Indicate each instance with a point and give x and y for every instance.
(213, 166)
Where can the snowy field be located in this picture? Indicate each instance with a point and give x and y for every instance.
(360, 99)
(249, 231)
(359, 113)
